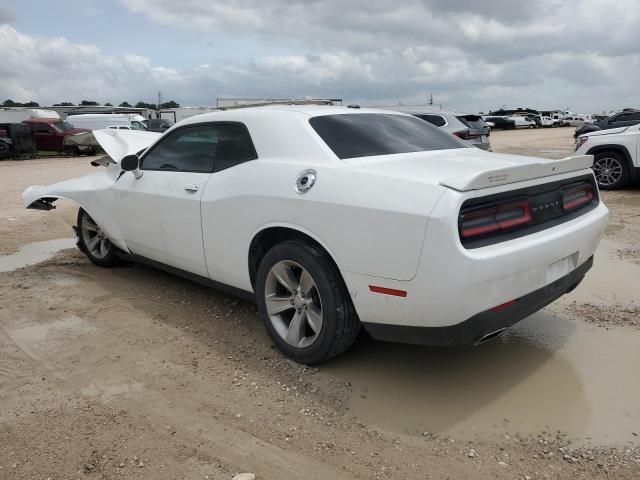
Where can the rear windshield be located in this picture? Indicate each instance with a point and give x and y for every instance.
(472, 121)
(354, 135)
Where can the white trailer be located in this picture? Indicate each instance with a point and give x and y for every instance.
(17, 115)
(98, 121)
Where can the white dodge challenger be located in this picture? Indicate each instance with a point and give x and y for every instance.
(333, 218)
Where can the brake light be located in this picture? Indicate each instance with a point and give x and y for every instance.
(495, 218)
(465, 135)
(576, 197)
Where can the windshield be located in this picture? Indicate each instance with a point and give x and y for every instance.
(369, 134)
(63, 126)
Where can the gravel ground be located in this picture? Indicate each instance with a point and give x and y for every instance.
(133, 373)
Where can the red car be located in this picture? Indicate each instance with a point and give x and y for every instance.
(51, 132)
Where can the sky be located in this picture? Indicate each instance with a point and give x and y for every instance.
(471, 55)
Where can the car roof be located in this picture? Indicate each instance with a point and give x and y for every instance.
(278, 109)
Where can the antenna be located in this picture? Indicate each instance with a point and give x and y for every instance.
(431, 99)
(159, 98)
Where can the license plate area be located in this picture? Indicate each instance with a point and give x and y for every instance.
(560, 268)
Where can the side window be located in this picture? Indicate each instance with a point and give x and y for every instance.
(191, 149)
(235, 146)
(202, 148)
(135, 125)
(624, 117)
(41, 128)
(635, 116)
(436, 120)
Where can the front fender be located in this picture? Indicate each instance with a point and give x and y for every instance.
(93, 193)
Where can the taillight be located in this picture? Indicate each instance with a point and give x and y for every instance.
(495, 218)
(465, 135)
(576, 197)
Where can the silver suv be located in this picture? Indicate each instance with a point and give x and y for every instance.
(469, 127)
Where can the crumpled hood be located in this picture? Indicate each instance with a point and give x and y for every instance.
(467, 168)
(120, 143)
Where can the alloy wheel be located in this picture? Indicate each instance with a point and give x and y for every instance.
(95, 240)
(608, 171)
(293, 303)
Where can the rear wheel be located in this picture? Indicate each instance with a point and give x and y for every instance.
(94, 243)
(610, 169)
(304, 303)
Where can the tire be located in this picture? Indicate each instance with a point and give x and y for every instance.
(611, 170)
(101, 252)
(310, 341)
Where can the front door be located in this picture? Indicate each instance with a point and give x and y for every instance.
(45, 138)
(159, 213)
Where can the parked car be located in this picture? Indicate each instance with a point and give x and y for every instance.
(17, 140)
(626, 118)
(503, 123)
(50, 133)
(523, 122)
(469, 127)
(616, 152)
(158, 124)
(548, 122)
(335, 218)
(97, 121)
(535, 119)
(573, 121)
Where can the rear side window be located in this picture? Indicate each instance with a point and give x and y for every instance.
(437, 120)
(370, 134)
(202, 148)
(472, 121)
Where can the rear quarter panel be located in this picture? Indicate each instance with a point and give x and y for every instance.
(370, 224)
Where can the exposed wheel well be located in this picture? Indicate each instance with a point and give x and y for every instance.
(269, 237)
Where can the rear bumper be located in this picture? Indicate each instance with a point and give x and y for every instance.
(474, 329)
(454, 283)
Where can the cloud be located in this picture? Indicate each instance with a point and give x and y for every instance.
(471, 56)
(6, 15)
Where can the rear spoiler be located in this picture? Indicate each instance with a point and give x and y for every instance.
(519, 173)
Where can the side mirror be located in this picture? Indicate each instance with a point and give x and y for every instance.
(131, 163)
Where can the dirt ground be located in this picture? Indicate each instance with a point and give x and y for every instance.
(133, 373)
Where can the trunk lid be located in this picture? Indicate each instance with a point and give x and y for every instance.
(467, 169)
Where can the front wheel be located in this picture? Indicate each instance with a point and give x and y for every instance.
(611, 171)
(304, 303)
(94, 243)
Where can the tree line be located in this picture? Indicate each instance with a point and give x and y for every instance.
(152, 106)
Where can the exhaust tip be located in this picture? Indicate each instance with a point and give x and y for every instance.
(490, 335)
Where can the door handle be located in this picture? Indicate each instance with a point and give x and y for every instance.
(191, 187)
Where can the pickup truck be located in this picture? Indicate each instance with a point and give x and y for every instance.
(51, 132)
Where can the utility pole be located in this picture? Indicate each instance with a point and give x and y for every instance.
(431, 99)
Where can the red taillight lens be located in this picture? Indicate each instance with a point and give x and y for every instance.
(500, 217)
(577, 197)
(465, 135)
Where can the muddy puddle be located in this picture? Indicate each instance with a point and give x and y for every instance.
(33, 253)
(610, 281)
(547, 373)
